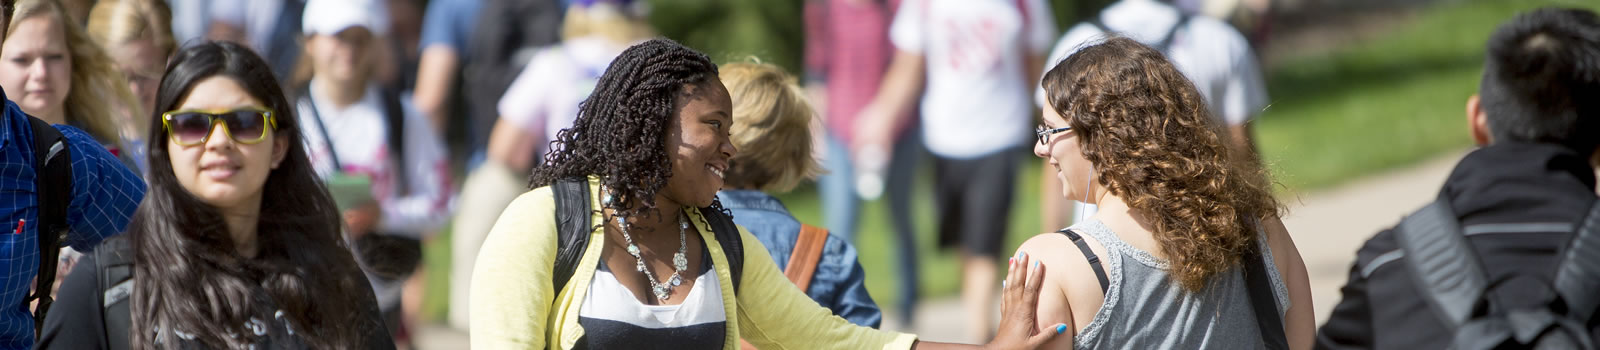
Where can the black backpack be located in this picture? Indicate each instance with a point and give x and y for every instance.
(114, 260)
(1451, 279)
(52, 164)
(1165, 45)
(573, 229)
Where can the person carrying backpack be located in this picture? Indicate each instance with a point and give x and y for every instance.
(238, 244)
(772, 131)
(61, 188)
(1506, 257)
(382, 160)
(622, 244)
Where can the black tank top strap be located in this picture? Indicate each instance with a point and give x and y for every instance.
(1094, 260)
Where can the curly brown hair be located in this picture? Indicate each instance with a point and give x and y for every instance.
(1154, 143)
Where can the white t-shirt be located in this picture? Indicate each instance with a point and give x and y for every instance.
(976, 97)
(544, 98)
(361, 138)
(1209, 52)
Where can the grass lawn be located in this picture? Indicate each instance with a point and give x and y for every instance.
(1376, 105)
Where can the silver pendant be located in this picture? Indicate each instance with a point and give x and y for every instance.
(680, 262)
(633, 250)
(641, 266)
(676, 281)
(661, 293)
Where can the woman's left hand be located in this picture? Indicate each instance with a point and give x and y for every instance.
(1019, 308)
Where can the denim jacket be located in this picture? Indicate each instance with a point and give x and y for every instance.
(839, 282)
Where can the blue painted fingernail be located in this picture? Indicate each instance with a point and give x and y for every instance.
(1035, 263)
(1061, 328)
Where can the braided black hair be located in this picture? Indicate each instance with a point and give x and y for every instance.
(620, 133)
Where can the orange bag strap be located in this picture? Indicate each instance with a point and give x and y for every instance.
(802, 261)
(807, 251)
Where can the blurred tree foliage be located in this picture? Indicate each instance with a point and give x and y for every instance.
(774, 30)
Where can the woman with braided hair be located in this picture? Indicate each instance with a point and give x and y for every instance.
(654, 264)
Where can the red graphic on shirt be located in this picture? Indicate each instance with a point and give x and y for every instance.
(975, 44)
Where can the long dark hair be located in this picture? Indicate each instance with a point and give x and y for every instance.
(621, 130)
(189, 277)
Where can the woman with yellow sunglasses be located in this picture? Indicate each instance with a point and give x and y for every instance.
(237, 243)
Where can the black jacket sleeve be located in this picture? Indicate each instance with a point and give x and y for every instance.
(1350, 324)
(75, 320)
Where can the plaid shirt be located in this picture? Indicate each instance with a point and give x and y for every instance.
(847, 46)
(105, 194)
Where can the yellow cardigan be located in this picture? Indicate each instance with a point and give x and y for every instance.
(514, 305)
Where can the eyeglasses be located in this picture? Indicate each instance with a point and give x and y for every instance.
(246, 125)
(1044, 134)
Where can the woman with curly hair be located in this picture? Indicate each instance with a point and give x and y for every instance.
(656, 264)
(1161, 265)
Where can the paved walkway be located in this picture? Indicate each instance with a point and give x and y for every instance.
(1328, 226)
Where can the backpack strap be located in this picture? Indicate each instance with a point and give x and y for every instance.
(327, 138)
(572, 228)
(1444, 268)
(53, 186)
(1263, 302)
(807, 252)
(728, 236)
(114, 260)
(394, 119)
(1166, 41)
(1165, 45)
(1578, 276)
(1094, 260)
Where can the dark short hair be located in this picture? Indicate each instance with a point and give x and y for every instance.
(1541, 79)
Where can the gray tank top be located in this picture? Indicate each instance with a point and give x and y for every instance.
(1146, 309)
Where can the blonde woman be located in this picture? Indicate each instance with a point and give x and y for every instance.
(772, 131)
(137, 35)
(55, 72)
(540, 102)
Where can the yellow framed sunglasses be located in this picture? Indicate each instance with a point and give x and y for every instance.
(246, 125)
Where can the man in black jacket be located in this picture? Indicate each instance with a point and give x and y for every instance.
(1518, 198)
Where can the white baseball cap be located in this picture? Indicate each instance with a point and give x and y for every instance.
(330, 17)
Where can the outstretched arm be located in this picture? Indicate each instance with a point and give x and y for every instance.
(1019, 307)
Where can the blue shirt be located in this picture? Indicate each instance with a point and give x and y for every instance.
(839, 283)
(450, 23)
(105, 194)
